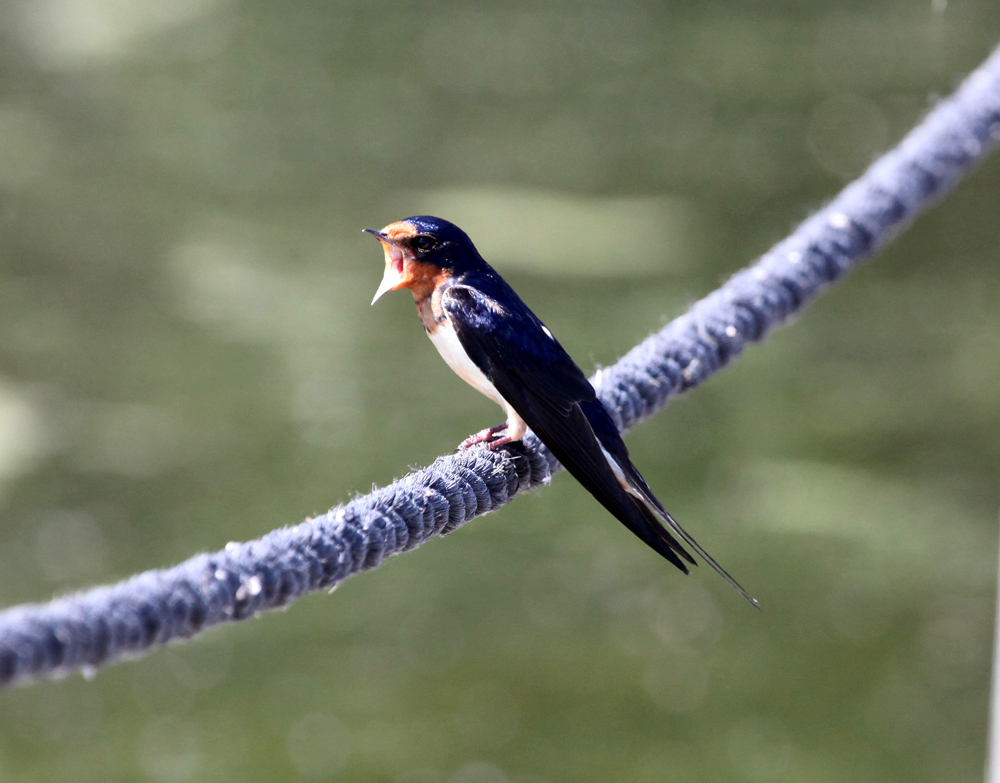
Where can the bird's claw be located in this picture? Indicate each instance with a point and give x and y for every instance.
(491, 438)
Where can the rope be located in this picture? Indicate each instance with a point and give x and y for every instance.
(82, 631)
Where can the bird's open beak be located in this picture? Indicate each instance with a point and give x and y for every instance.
(393, 278)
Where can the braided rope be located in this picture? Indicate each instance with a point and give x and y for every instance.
(107, 623)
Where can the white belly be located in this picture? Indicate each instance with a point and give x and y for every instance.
(451, 350)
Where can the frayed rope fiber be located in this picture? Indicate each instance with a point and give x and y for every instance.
(95, 627)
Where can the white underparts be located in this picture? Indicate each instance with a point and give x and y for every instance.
(450, 347)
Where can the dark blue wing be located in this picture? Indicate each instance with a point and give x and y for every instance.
(501, 335)
(536, 376)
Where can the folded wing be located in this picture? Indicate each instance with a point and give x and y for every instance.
(542, 383)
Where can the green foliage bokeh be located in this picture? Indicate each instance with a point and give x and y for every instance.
(187, 357)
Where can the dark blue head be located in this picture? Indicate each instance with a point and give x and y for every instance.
(422, 250)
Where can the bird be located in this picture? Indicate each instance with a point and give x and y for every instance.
(496, 344)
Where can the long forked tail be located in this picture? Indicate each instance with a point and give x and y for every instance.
(660, 519)
(661, 524)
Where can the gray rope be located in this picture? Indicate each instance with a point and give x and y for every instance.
(107, 623)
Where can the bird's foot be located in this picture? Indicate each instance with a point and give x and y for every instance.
(491, 438)
(492, 445)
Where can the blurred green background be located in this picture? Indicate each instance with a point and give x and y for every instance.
(187, 357)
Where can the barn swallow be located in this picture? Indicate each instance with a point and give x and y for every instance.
(490, 338)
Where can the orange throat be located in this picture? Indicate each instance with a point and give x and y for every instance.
(403, 270)
(422, 279)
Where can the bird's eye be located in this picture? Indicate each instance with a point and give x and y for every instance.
(424, 243)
